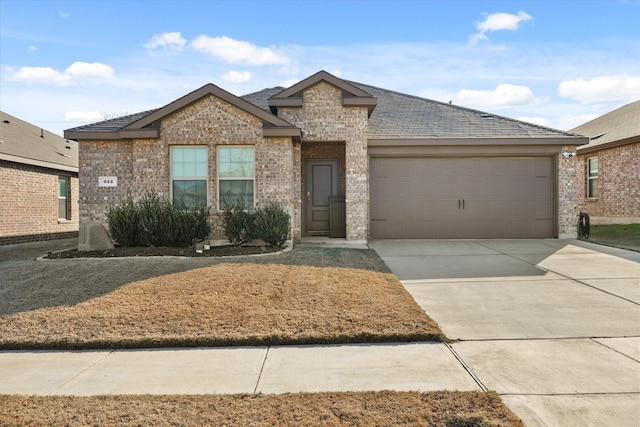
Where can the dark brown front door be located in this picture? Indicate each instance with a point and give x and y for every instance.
(321, 182)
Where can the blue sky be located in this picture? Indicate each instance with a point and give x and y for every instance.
(556, 63)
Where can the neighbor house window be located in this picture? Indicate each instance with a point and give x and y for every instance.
(189, 173)
(236, 175)
(592, 178)
(64, 197)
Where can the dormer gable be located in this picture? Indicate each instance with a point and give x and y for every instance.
(351, 95)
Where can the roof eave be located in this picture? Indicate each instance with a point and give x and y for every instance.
(587, 148)
(476, 141)
(76, 135)
(40, 163)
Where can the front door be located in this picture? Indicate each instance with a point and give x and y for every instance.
(321, 182)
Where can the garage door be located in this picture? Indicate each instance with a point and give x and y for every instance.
(461, 198)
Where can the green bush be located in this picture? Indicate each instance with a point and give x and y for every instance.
(238, 222)
(155, 222)
(123, 223)
(272, 224)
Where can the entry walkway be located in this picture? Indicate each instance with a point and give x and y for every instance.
(552, 325)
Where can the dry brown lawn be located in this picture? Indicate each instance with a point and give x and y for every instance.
(224, 304)
(455, 409)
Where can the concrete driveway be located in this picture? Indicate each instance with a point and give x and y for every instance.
(552, 325)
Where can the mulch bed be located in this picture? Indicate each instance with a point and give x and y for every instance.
(189, 251)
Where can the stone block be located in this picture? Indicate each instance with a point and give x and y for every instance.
(94, 237)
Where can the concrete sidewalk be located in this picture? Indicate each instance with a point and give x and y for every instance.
(552, 325)
(403, 366)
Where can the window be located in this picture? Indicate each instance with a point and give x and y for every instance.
(189, 176)
(64, 197)
(592, 178)
(235, 175)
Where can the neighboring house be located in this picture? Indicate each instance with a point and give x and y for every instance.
(609, 167)
(344, 159)
(39, 178)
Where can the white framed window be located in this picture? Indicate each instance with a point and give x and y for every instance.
(64, 197)
(236, 172)
(592, 178)
(189, 172)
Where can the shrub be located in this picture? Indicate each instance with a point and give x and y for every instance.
(155, 222)
(238, 222)
(123, 223)
(272, 224)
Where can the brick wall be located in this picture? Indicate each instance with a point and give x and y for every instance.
(324, 120)
(567, 214)
(619, 185)
(142, 166)
(29, 204)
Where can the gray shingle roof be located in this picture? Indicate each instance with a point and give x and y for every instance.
(24, 143)
(617, 125)
(113, 124)
(261, 98)
(402, 116)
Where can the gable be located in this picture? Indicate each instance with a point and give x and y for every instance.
(147, 125)
(351, 95)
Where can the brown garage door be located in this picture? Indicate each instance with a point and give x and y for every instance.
(461, 198)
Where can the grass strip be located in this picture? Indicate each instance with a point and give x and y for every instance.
(386, 408)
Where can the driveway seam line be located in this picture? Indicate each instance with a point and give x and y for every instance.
(68, 380)
(567, 277)
(466, 367)
(613, 349)
(264, 362)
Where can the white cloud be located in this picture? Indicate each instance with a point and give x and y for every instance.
(602, 89)
(173, 41)
(503, 96)
(64, 15)
(94, 69)
(289, 82)
(74, 73)
(32, 48)
(46, 75)
(237, 76)
(237, 51)
(83, 116)
(498, 22)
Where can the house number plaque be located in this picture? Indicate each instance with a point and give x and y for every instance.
(107, 181)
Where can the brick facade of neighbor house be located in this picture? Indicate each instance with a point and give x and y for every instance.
(614, 139)
(619, 185)
(324, 120)
(142, 165)
(29, 204)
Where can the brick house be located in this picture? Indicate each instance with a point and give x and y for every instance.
(39, 176)
(609, 167)
(343, 158)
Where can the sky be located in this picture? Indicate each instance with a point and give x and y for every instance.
(557, 63)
